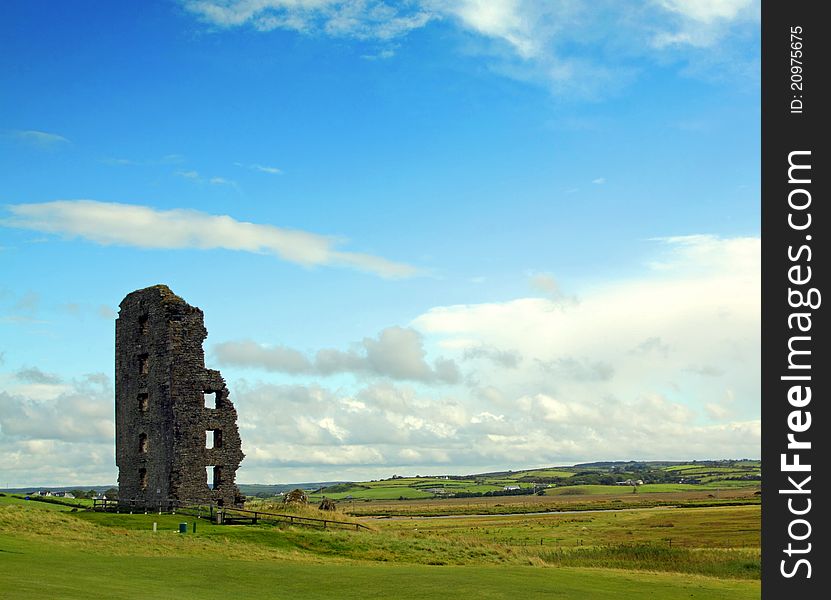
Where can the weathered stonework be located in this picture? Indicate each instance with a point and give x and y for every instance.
(163, 420)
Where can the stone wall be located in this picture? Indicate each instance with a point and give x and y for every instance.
(162, 418)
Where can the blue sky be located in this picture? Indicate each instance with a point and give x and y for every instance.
(515, 224)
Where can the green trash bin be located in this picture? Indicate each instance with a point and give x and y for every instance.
(183, 527)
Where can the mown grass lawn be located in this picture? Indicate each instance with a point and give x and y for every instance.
(30, 568)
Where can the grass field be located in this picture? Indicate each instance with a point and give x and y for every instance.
(658, 553)
(591, 479)
(573, 498)
(28, 571)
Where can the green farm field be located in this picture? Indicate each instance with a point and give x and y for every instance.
(707, 478)
(661, 553)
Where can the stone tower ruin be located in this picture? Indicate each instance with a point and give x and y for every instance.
(176, 435)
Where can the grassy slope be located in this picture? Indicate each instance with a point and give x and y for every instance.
(28, 570)
(712, 476)
(48, 552)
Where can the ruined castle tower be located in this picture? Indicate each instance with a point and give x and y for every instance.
(176, 435)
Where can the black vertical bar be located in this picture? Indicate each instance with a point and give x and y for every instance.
(794, 220)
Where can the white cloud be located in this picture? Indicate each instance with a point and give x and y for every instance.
(685, 329)
(702, 23)
(261, 168)
(366, 19)
(661, 366)
(572, 47)
(397, 353)
(386, 429)
(197, 178)
(513, 21)
(109, 223)
(707, 11)
(44, 409)
(41, 139)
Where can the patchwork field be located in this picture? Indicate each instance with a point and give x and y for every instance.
(709, 479)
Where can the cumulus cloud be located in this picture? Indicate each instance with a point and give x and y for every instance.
(55, 431)
(397, 353)
(689, 323)
(80, 411)
(659, 366)
(109, 223)
(385, 428)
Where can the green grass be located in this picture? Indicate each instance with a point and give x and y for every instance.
(29, 569)
(44, 551)
(656, 550)
(52, 503)
(374, 493)
(649, 488)
(44, 548)
(711, 475)
(542, 473)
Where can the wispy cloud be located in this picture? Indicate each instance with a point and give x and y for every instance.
(35, 375)
(367, 19)
(197, 178)
(701, 24)
(41, 139)
(110, 223)
(573, 47)
(261, 168)
(168, 159)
